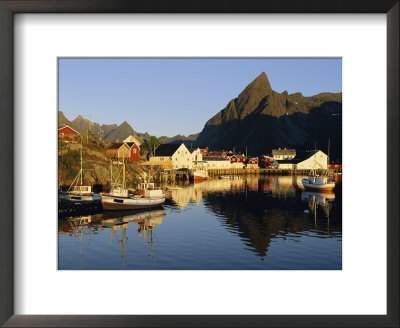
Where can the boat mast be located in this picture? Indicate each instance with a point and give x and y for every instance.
(110, 173)
(123, 170)
(81, 165)
(329, 146)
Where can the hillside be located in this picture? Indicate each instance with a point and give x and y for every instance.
(262, 119)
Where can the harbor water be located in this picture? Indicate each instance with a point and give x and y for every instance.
(251, 223)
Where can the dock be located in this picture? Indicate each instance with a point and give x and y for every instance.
(259, 171)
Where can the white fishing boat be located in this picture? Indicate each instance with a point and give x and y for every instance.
(119, 197)
(322, 182)
(318, 182)
(77, 191)
(199, 174)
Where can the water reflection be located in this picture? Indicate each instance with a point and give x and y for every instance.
(265, 222)
(260, 209)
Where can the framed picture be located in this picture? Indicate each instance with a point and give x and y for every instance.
(38, 87)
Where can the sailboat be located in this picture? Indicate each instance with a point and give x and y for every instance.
(77, 191)
(119, 197)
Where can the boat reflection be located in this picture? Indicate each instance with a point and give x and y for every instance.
(146, 221)
(319, 200)
(90, 225)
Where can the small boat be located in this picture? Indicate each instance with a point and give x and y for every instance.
(173, 188)
(119, 197)
(78, 192)
(318, 182)
(230, 177)
(199, 174)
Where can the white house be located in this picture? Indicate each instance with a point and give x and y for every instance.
(283, 154)
(178, 155)
(197, 156)
(313, 160)
(216, 162)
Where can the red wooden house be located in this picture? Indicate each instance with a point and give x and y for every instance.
(253, 160)
(68, 134)
(135, 152)
(238, 159)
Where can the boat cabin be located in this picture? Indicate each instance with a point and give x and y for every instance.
(148, 189)
(118, 191)
(81, 189)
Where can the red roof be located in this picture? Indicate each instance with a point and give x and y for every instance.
(67, 130)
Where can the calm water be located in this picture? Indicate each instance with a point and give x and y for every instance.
(251, 223)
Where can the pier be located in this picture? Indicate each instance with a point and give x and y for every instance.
(258, 171)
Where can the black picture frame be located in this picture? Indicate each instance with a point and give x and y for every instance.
(10, 7)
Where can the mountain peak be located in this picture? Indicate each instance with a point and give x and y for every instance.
(251, 96)
(80, 118)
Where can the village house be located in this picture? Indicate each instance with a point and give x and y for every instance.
(178, 156)
(315, 159)
(216, 162)
(252, 163)
(135, 152)
(237, 161)
(305, 161)
(118, 150)
(197, 156)
(279, 154)
(68, 134)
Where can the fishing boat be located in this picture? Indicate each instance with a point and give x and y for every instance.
(119, 198)
(318, 182)
(322, 182)
(77, 191)
(199, 174)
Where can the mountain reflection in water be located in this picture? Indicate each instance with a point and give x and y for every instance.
(249, 223)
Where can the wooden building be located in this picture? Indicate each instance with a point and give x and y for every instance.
(282, 154)
(253, 163)
(177, 155)
(119, 150)
(68, 134)
(237, 161)
(135, 152)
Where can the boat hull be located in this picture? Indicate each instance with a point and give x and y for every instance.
(77, 198)
(318, 187)
(110, 203)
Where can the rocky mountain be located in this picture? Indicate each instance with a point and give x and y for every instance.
(262, 119)
(120, 133)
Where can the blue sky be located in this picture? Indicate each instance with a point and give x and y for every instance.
(178, 96)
